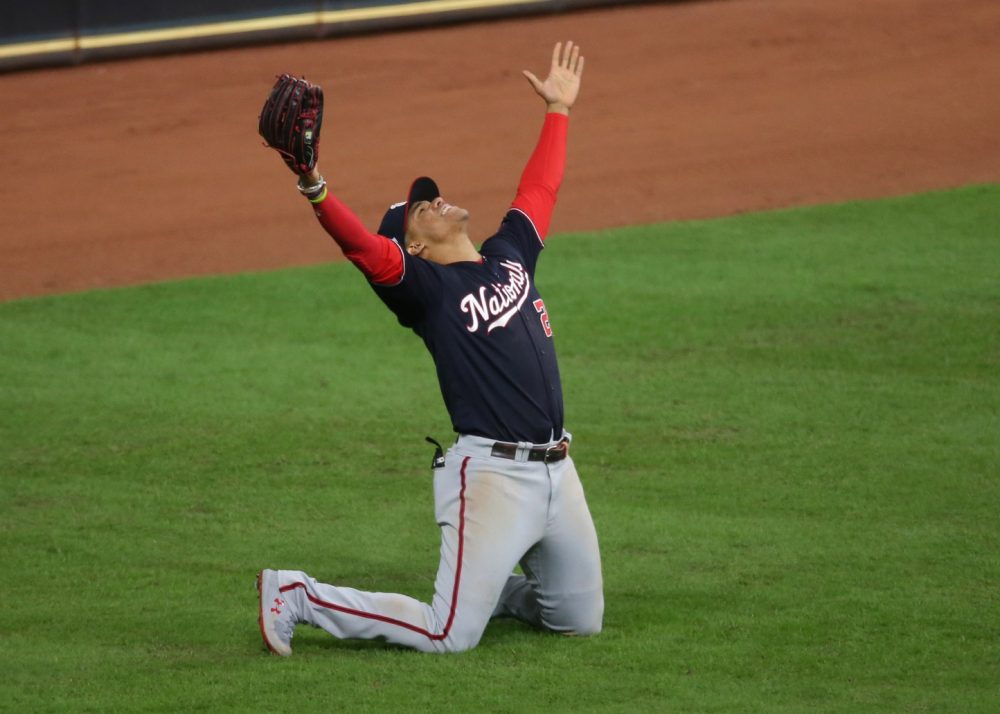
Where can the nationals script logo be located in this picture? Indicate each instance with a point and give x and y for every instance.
(502, 304)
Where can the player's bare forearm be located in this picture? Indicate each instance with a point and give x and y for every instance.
(562, 86)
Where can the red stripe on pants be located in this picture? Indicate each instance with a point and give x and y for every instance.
(392, 621)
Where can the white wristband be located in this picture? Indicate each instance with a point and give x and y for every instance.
(312, 190)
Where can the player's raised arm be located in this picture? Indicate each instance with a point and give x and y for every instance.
(542, 176)
(290, 123)
(376, 256)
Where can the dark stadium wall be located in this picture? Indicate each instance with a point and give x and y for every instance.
(52, 32)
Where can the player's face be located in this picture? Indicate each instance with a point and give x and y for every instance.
(436, 221)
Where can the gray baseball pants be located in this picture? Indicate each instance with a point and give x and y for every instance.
(494, 514)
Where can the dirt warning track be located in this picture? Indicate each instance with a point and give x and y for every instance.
(127, 172)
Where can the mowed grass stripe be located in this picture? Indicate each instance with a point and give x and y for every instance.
(787, 424)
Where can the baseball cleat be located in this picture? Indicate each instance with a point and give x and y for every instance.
(276, 621)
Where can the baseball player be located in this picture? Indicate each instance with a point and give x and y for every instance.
(507, 491)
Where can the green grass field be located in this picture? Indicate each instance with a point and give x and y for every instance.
(788, 425)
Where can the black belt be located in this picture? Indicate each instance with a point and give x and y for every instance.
(548, 454)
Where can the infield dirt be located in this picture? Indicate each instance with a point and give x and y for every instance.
(127, 172)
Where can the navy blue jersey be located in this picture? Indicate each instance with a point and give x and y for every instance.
(488, 332)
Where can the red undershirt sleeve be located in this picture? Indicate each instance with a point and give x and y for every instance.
(536, 193)
(376, 256)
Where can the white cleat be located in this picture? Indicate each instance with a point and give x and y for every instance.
(276, 621)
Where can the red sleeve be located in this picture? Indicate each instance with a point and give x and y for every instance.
(379, 258)
(536, 193)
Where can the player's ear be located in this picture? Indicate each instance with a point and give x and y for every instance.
(414, 246)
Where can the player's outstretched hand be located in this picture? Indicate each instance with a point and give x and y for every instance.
(560, 88)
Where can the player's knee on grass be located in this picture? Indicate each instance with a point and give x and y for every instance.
(464, 637)
(590, 623)
(580, 615)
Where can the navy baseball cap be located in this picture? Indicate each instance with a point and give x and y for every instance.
(394, 221)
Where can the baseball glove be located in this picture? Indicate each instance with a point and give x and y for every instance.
(290, 122)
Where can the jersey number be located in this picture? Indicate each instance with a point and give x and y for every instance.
(544, 316)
